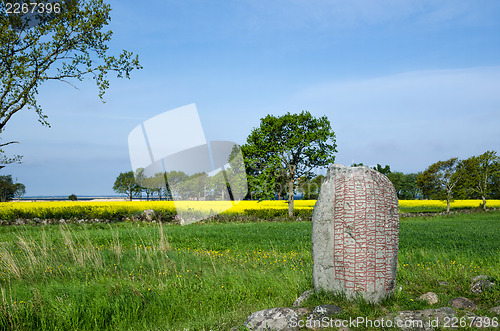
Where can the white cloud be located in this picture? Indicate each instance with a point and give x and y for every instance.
(411, 120)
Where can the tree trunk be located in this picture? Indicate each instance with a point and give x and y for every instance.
(484, 202)
(448, 205)
(290, 198)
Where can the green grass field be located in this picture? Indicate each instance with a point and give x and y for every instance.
(212, 276)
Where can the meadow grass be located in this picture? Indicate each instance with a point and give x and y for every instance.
(212, 276)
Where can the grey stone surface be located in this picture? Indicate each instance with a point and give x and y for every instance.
(303, 297)
(322, 316)
(149, 214)
(477, 278)
(481, 283)
(430, 297)
(325, 311)
(443, 283)
(425, 319)
(495, 310)
(355, 229)
(301, 311)
(462, 303)
(272, 319)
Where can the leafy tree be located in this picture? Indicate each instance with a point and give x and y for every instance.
(383, 170)
(19, 190)
(293, 145)
(404, 184)
(159, 182)
(397, 180)
(175, 182)
(7, 188)
(65, 46)
(145, 183)
(411, 189)
(495, 185)
(236, 174)
(480, 174)
(72, 197)
(440, 179)
(125, 184)
(194, 187)
(149, 189)
(310, 188)
(217, 186)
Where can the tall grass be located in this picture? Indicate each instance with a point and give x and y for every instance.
(212, 276)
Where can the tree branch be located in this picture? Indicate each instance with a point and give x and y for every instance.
(10, 142)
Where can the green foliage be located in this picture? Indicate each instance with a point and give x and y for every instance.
(70, 45)
(125, 184)
(9, 189)
(439, 181)
(383, 170)
(357, 164)
(6, 188)
(405, 185)
(72, 197)
(310, 188)
(283, 149)
(481, 176)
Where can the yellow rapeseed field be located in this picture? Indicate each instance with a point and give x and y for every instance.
(457, 204)
(103, 209)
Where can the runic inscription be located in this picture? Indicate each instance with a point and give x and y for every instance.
(355, 233)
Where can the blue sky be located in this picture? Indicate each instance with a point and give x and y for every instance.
(404, 83)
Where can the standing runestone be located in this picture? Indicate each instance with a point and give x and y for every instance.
(355, 234)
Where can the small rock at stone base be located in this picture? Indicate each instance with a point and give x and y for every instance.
(430, 297)
(322, 314)
(327, 310)
(495, 310)
(149, 214)
(481, 283)
(303, 297)
(462, 303)
(444, 283)
(477, 278)
(272, 319)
